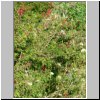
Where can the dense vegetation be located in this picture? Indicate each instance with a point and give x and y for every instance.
(49, 49)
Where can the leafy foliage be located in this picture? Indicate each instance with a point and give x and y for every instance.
(48, 40)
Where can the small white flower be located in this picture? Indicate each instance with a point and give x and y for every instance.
(26, 73)
(59, 64)
(81, 44)
(60, 94)
(83, 50)
(29, 83)
(51, 73)
(59, 77)
(63, 32)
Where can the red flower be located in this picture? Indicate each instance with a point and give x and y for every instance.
(48, 12)
(43, 67)
(20, 11)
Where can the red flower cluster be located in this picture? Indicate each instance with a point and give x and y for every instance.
(20, 11)
(48, 12)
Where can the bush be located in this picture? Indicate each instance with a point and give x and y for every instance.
(48, 56)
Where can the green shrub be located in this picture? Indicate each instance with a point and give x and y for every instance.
(48, 42)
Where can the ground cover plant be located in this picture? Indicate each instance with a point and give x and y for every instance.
(49, 49)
